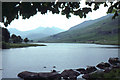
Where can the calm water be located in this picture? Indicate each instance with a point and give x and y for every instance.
(61, 55)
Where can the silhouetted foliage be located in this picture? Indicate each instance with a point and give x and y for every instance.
(26, 40)
(5, 34)
(10, 10)
(20, 39)
(15, 39)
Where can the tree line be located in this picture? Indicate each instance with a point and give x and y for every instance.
(6, 38)
(17, 39)
(13, 38)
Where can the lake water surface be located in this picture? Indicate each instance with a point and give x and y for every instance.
(61, 55)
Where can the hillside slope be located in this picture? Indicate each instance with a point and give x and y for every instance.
(103, 30)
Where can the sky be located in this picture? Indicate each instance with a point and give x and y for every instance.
(55, 20)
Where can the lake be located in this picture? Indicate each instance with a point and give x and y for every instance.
(61, 55)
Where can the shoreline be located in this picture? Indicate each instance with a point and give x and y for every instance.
(83, 43)
(21, 45)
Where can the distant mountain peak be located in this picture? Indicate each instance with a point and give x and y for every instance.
(36, 33)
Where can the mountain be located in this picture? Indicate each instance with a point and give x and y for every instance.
(89, 22)
(37, 33)
(101, 30)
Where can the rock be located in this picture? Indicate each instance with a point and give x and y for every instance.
(114, 61)
(54, 66)
(103, 65)
(44, 67)
(90, 69)
(39, 76)
(115, 66)
(54, 71)
(50, 76)
(81, 70)
(27, 74)
(70, 74)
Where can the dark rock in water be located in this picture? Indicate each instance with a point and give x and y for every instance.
(114, 61)
(54, 66)
(90, 69)
(44, 67)
(50, 76)
(103, 65)
(27, 74)
(54, 71)
(81, 70)
(70, 74)
(39, 76)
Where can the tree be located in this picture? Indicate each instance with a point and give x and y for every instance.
(26, 9)
(5, 34)
(26, 40)
(15, 39)
(20, 39)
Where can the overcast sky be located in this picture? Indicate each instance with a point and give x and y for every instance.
(54, 20)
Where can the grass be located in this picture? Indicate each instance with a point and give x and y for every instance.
(20, 45)
(112, 75)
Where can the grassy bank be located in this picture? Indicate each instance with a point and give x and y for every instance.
(19, 45)
(102, 42)
(91, 42)
(13, 45)
(112, 75)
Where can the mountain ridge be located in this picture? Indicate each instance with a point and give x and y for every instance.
(104, 30)
(89, 22)
(37, 33)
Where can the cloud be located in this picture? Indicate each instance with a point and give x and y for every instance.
(48, 20)
(99, 13)
(54, 20)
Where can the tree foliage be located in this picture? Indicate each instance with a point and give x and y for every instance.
(10, 10)
(5, 34)
(26, 40)
(15, 39)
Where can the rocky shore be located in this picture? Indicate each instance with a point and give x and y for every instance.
(102, 71)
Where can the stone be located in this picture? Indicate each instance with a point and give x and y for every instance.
(26, 75)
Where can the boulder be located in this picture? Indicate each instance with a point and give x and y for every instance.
(90, 69)
(26, 75)
(116, 66)
(114, 61)
(50, 76)
(81, 70)
(103, 65)
(70, 74)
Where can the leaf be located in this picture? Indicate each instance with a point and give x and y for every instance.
(105, 5)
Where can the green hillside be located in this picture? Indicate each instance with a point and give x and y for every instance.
(104, 30)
